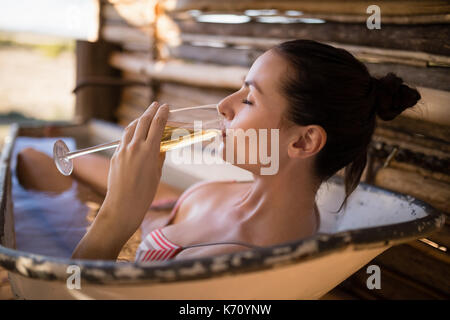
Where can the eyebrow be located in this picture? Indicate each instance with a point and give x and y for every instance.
(253, 83)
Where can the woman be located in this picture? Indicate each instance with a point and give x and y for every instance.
(324, 102)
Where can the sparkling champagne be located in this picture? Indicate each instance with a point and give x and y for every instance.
(172, 139)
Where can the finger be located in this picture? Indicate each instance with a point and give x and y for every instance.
(144, 122)
(127, 134)
(156, 130)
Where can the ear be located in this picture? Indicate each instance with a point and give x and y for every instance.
(308, 141)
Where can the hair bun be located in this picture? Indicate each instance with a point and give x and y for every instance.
(393, 97)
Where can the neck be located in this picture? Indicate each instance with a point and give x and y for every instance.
(281, 197)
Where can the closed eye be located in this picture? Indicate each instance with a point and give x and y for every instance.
(245, 101)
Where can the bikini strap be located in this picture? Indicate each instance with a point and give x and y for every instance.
(224, 242)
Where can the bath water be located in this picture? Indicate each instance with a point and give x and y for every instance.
(50, 223)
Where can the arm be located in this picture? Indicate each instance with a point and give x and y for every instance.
(104, 239)
(134, 174)
(92, 169)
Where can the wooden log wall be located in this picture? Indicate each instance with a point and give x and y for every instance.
(188, 55)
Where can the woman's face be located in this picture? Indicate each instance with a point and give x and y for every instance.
(259, 104)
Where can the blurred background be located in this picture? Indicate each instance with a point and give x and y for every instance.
(37, 75)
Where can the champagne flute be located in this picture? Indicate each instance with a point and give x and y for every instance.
(183, 118)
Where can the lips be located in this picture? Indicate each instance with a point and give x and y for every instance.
(224, 129)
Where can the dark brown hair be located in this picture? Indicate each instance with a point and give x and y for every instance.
(328, 86)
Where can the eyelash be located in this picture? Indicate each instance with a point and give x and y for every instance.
(246, 102)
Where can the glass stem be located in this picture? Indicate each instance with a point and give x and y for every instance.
(100, 147)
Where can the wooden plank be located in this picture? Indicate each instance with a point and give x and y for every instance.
(388, 7)
(442, 237)
(338, 294)
(433, 107)
(363, 53)
(139, 39)
(394, 286)
(427, 174)
(416, 73)
(138, 13)
(437, 78)
(128, 112)
(135, 76)
(430, 249)
(75, 19)
(434, 192)
(414, 143)
(343, 18)
(137, 96)
(95, 102)
(187, 96)
(422, 127)
(225, 56)
(203, 75)
(143, 93)
(431, 38)
(417, 266)
(261, 43)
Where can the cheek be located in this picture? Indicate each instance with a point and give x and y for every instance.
(251, 145)
(250, 120)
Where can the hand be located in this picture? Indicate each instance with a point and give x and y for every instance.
(135, 169)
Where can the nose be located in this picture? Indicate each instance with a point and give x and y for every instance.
(225, 109)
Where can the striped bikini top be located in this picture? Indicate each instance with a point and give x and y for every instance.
(156, 247)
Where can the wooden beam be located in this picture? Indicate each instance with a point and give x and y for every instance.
(225, 56)
(95, 102)
(140, 13)
(136, 39)
(433, 192)
(412, 142)
(436, 78)
(388, 7)
(433, 107)
(431, 38)
(427, 174)
(442, 237)
(203, 75)
(137, 96)
(260, 43)
(394, 286)
(401, 56)
(179, 95)
(128, 112)
(413, 71)
(342, 18)
(417, 266)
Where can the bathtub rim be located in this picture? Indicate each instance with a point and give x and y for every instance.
(105, 272)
